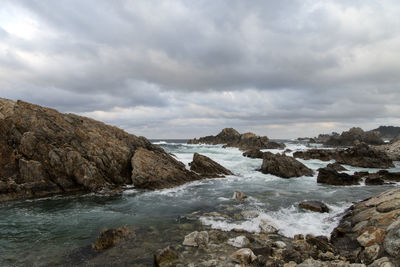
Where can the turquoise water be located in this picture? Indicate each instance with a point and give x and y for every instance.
(44, 232)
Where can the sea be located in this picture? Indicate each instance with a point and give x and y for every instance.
(48, 231)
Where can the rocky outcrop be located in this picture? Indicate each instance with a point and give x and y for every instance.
(382, 175)
(254, 154)
(353, 136)
(283, 166)
(392, 149)
(360, 155)
(336, 166)
(232, 138)
(370, 230)
(365, 156)
(314, 205)
(388, 132)
(43, 152)
(208, 168)
(332, 177)
(110, 237)
(151, 170)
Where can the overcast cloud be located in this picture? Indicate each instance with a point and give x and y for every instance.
(177, 69)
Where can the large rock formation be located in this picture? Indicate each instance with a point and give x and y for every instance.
(360, 155)
(283, 166)
(208, 168)
(388, 132)
(370, 230)
(392, 149)
(44, 152)
(332, 177)
(232, 138)
(353, 136)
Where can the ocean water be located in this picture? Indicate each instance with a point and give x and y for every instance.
(43, 232)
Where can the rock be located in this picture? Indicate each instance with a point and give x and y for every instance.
(316, 206)
(388, 132)
(152, 170)
(390, 176)
(332, 177)
(336, 166)
(382, 262)
(289, 255)
(232, 138)
(392, 239)
(283, 166)
(244, 255)
(370, 236)
(275, 145)
(165, 256)
(392, 149)
(364, 156)
(266, 227)
(369, 254)
(43, 152)
(111, 237)
(321, 242)
(253, 153)
(354, 135)
(196, 239)
(238, 195)
(264, 251)
(239, 241)
(374, 181)
(280, 244)
(206, 167)
(321, 154)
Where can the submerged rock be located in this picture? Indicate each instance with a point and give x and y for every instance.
(206, 167)
(253, 153)
(165, 256)
(111, 237)
(238, 195)
(314, 205)
(283, 166)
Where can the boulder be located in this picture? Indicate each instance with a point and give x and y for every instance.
(374, 181)
(165, 256)
(283, 166)
(315, 153)
(111, 237)
(152, 170)
(44, 152)
(253, 153)
(275, 145)
(314, 205)
(392, 239)
(392, 149)
(244, 256)
(208, 168)
(332, 177)
(196, 239)
(336, 166)
(238, 195)
(239, 241)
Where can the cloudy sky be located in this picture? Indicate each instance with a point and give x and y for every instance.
(177, 69)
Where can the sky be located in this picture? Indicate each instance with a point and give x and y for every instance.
(184, 69)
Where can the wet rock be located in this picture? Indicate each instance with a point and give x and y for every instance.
(275, 145)
(264, 251)
(165, 256)
(206, 167)
(316, 206)
(283, 166)
(244, 255)
(293, 255)
(152, 170)
(196, 239)
(253, 153)
(332, 177)
(266, 227)
(336, 166)
(239, 241)
(111, 237)
(321, 154)
(238, 195)
(374, 181)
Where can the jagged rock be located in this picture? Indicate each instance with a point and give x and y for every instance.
(165, 256)
(244, 255)
(336, 166)
(253, 153)
(284, 166)
(321, 154)
(316, 206)
(275, 145)
(206, 167)
(239, 241)
(238, 195)
(43, 152)
(111, 237)
(388, 132)
(151, 170)
(232, 138)
(354, 135)
(392, 149)
(332, 177)
(196, 239)
(321, 242)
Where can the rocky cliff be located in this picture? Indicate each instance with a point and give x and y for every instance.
(44, 152)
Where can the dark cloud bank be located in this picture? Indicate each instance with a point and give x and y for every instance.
(175, 69)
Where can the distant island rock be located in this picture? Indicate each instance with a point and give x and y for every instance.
(388, 132)
(232, 138)
(44, 152)
(353, 136)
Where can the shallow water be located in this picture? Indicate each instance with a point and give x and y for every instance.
(41, 232)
